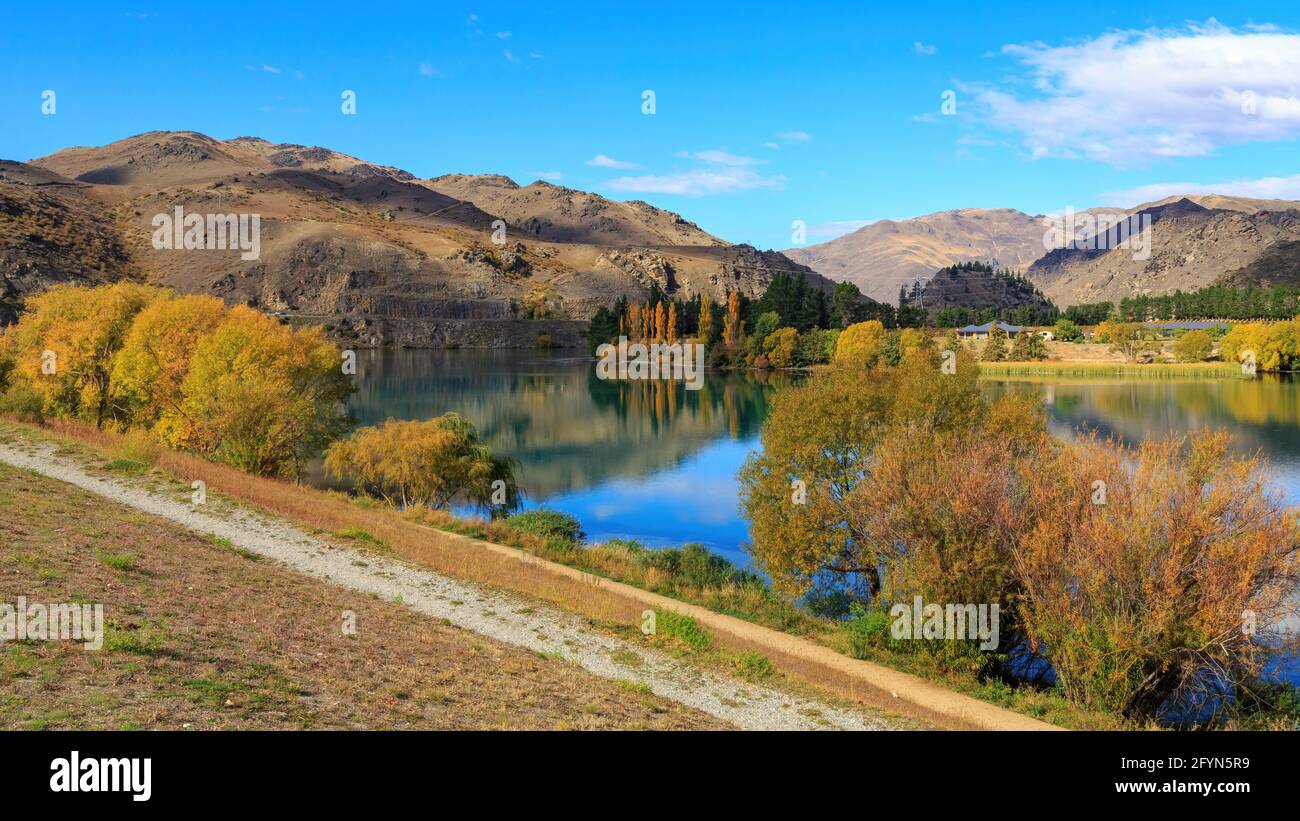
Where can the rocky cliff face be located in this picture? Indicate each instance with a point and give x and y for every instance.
(369, 251)
(51, 231)
(1196, 240)
(1191, 246)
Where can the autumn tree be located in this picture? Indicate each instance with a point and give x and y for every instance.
(155, 357)
(64, 344)
(819, 437)
(781, 347)
(705, 322)
(260, 396)
(634, 322)
(860, 343)
(1193, 346)
(671, 336)
(733, 327)
(429, 463)
(661, 323)
(995, 347)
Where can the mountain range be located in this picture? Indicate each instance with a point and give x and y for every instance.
(1196, 240)
(376, 254)
(380, 256)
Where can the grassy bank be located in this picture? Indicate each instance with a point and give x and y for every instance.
(205, 637)
(1160, 370)
(689, 575)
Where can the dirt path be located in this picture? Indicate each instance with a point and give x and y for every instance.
(487, 612)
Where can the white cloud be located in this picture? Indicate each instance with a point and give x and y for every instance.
(794, 136)
(717, 157)
(427, 70)
(509, 55)
(698, 182)
(602, 161)
(924, 49)
(1130, 97)
(270, 69)
(553, 176)
(835, 228)
(503, 35)
(771, 145)
(1266, 188)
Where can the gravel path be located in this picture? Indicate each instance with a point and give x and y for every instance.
(490, 613)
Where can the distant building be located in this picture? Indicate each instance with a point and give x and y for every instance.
(982, 331)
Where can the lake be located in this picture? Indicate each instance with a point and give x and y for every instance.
(656, 462)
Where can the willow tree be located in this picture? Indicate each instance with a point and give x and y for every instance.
(64, 345)
(151, 366)
(428, 463)
(818, 441)
(260, 396)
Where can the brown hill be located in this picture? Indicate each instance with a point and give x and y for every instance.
(1191, 246)
(51, 231)
(382, 257)
(559, 214)
(882, 257)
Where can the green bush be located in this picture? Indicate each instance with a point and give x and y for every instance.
(683, 628)
(22, 401)
(548, 524)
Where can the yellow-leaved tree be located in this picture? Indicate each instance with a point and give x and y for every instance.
(860, 343)
(151, 366)
(260, 396)
(427, 463)
(64, 345)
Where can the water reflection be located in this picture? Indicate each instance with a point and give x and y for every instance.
(657, 462)
(1263, 414)
(645, 459)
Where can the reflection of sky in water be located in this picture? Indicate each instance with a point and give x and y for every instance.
(693, 501)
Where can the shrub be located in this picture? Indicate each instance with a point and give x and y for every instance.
(260, 396)
(1141, 601)
(548, 524)
(860, 344)
(1193, 346)
(682, 628)
(781, 347)
(427, 463)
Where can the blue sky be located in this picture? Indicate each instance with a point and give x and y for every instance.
(764, 113)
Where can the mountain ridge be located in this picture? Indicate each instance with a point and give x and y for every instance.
(371, 251)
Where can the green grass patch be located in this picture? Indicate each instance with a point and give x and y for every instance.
(122, 562)
(360, 534)
(682, 628)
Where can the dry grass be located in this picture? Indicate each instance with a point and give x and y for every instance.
(202, 636)
(434, 540)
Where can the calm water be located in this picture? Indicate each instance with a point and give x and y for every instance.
(645, 460)
(656, 462)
